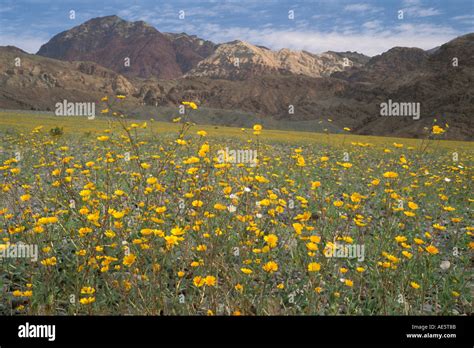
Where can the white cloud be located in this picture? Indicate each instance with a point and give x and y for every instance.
(361, 7)
(421, 12)
(465, 19)
(411, 2)
(322, 16)
(6, 9)
(427, 12)
(370, 25)
(370, 42)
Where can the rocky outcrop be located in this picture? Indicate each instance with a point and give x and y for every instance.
(239, 60)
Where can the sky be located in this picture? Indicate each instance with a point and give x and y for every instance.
(366, 26)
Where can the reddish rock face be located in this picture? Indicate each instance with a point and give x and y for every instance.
(190, 49)
(132, 49)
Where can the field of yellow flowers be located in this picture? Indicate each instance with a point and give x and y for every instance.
(131, 219)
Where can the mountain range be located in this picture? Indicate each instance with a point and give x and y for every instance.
(238, 82)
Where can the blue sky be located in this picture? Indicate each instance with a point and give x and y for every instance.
(370, 27)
